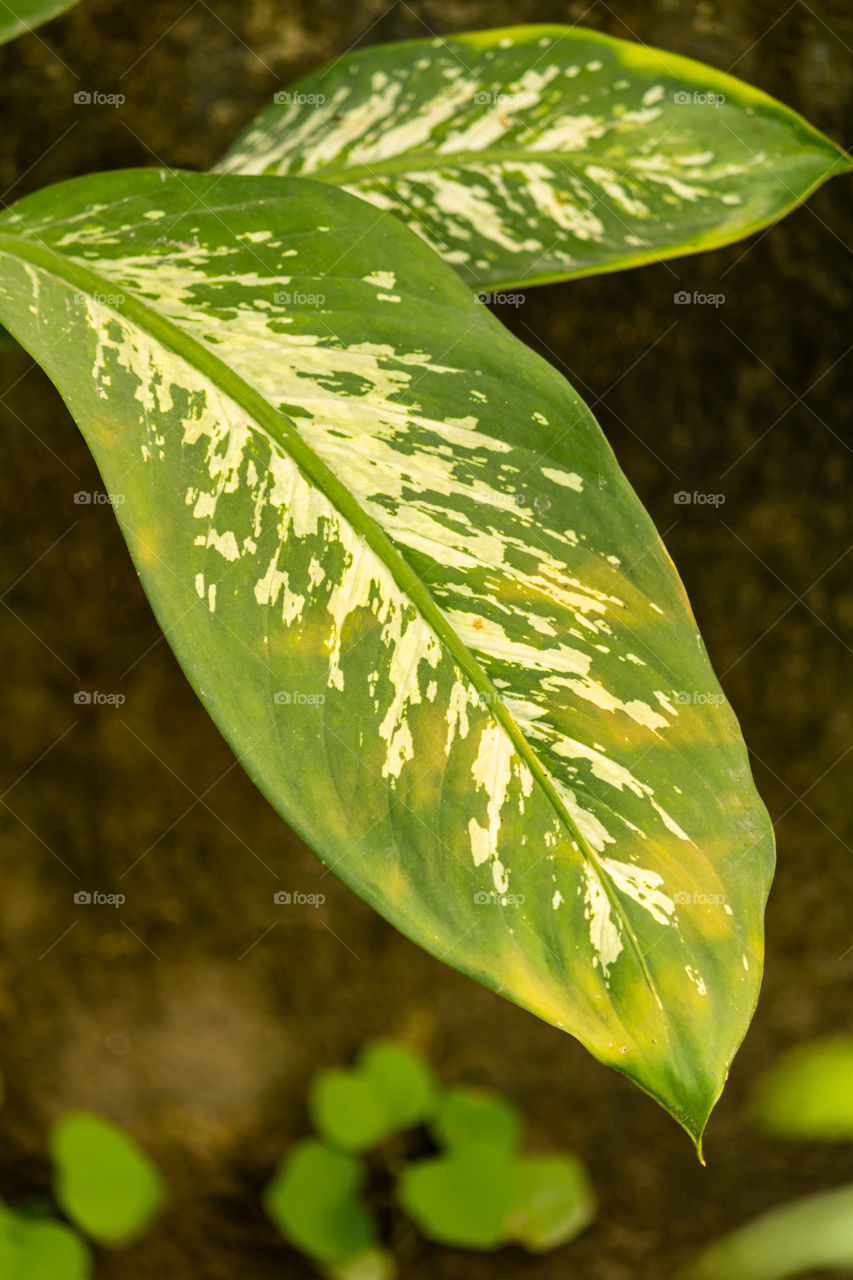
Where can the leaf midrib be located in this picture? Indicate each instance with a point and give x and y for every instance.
(421, 161)
(276, 424)
(401, 165)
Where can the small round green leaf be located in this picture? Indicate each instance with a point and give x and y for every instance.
(103, 1181)
(462, 1199)
(808, 1093)
(473, 1116)
(313, 1200)
(39, 1249)
(553, 1204)
(401, 1080)
(346, 1111)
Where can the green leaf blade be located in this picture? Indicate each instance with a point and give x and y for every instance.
(541, 153)
(396, 557)
(17, 17)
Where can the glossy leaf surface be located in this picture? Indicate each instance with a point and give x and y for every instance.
(539, 153)
(396, 557)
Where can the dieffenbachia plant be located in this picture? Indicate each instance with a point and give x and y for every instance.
(540, 153)
(396, 557)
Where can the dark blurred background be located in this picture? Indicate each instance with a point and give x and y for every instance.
(196, 1013)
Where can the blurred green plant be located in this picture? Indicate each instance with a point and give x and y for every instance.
(40, 1249)
(390, 1089)
(806, 1096)
(103, 1182)
(804, 1235)
(475, 1190)
(808, 1093)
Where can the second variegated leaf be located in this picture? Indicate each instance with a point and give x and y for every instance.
(539, 153)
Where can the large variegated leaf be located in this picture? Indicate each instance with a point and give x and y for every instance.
(397, 559)
(536, 153)
(20, 16)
